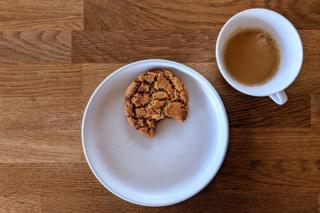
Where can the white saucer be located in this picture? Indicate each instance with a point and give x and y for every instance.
(178, 162)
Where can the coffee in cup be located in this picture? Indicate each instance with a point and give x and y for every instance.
(259, 28)
(251, 56)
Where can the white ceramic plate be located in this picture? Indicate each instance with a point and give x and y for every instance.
(178, 162)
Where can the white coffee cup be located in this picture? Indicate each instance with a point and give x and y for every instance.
(290, 47)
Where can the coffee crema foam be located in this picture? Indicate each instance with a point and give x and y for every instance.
(251, 56)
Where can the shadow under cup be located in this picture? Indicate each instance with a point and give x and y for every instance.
(288, 42)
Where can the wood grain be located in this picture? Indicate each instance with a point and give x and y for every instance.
(43, 113)
(35, 47)
(53, 54)
(252, 112)
(20, 188)
(40, 146)
(127, 46)
(29, 203)
(276, 144)
(40, 80)
(113, 15)
(315, 110)
(41, 15)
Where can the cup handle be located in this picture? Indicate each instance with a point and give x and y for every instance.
(279, 97)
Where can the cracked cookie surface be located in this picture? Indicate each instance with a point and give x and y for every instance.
(153, 96)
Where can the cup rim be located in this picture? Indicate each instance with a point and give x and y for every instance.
(228, 78)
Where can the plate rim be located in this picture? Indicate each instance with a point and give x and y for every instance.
(212, 175)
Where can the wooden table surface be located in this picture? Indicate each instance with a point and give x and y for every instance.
(54, 53)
